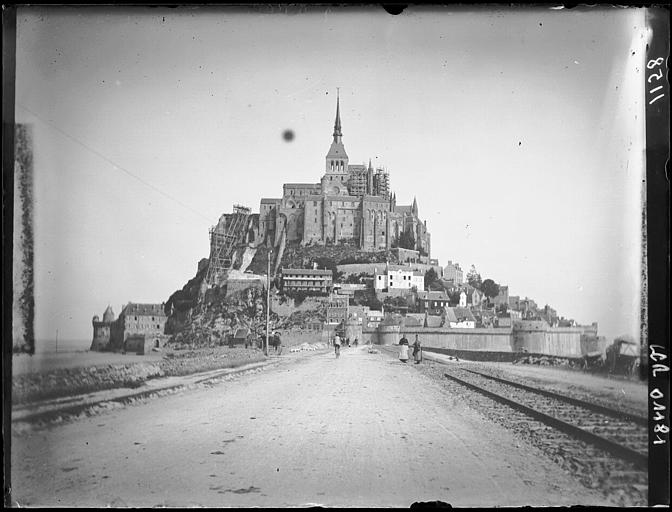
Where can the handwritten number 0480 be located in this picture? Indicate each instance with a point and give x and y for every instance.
(650, 65)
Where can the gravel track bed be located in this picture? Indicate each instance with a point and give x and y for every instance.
(620, 431)
(612, 401)
(619, 481)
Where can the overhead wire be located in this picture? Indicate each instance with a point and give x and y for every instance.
(113, 163)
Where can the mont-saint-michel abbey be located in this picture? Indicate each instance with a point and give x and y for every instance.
(351, 203)
(230, 296)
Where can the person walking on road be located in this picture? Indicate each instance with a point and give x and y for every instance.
(278, 343)
(417, 350)
(403, 349)
(337, 345)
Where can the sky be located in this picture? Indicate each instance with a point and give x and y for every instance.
(520, 132)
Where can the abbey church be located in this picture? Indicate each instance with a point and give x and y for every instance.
(352, 203)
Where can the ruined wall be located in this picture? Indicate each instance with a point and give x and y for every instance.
(288, 307)
(238, 285)
(142, 344)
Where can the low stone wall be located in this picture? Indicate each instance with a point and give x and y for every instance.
(297, 337)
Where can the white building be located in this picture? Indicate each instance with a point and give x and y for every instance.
(463, 299)
(453, 272)
(374, 317)
(398, 278)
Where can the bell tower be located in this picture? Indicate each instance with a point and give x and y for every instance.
(335, 179)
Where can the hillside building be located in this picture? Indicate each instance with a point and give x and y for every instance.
(315, 281)
(398, 278)
(337, 310)
(433, 301)
(452, 272)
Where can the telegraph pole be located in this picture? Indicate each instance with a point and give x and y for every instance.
(268, 299)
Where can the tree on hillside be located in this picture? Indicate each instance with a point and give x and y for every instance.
(474, 278)
(430, 277)
(454, 298)
(396, 303)
(374, 303)
(490, 288)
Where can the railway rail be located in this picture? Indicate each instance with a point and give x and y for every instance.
(622, 435)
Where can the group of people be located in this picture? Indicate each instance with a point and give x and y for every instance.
(273, 340)
(403, 350)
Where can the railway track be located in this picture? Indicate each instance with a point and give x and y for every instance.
(622, 435)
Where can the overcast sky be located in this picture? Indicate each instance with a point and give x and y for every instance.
(520, 132)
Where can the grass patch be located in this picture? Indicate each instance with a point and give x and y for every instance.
(33, 387)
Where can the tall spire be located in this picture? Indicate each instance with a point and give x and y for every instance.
(337, 124)
(415, 206)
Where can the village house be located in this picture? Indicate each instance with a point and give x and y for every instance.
(337, 310)
(432, 301)
(460, 318)
(374, 317)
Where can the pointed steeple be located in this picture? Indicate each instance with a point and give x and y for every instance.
(414, 209)
(337, 124)
(337, 158)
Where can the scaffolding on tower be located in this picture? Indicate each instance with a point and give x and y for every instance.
(223, 243)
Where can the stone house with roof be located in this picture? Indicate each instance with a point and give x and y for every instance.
(139, 328)
(460, 318)
(432, 301)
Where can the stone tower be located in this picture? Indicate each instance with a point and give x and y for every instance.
(102, 330)
(335, 179)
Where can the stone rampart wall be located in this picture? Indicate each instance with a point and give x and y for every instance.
(564, 342)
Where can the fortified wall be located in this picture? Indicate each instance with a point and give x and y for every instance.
(557, 341)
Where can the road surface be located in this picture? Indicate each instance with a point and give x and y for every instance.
(361, 430)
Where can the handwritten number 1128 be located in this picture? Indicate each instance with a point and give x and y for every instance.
(653, 63)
